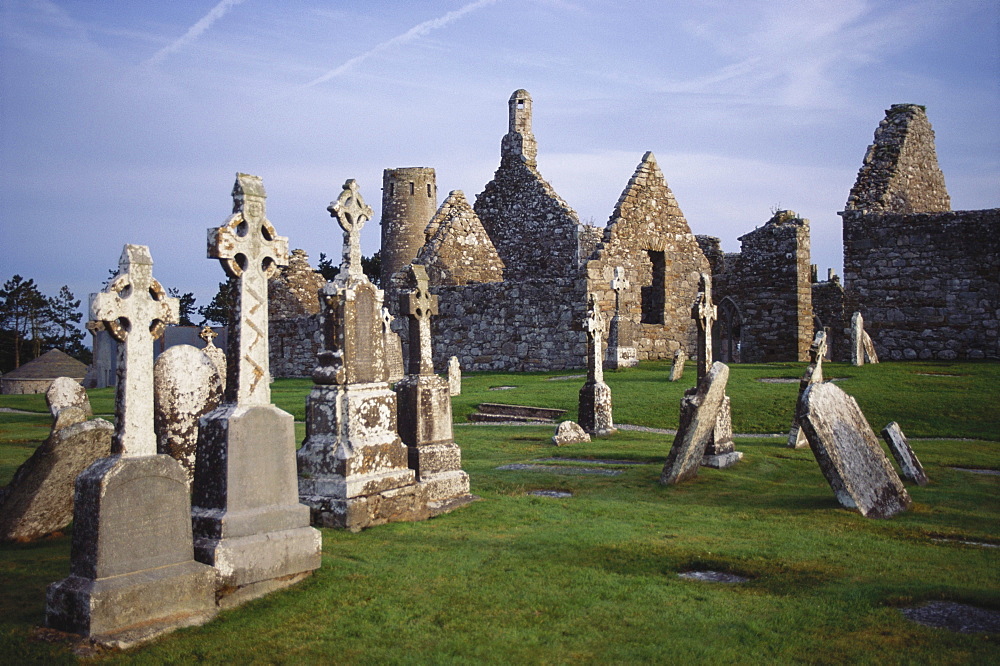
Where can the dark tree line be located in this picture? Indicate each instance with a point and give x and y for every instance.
(32, 323)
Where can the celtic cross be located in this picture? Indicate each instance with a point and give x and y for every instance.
(619, 283)
(208, 335)
(249, 250)
(705, 313)
(419, 304)
(135, 309)
(351, 212)
(594, 325)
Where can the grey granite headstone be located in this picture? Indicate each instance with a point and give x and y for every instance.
(248, 522)
(909, 464)
(677, 368)
(849, 454)
(595, 412)
(699, 416)
(569, 432)
(186, 386)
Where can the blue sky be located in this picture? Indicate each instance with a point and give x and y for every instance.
(125, 122)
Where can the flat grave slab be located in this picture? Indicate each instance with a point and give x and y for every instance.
(554, 469)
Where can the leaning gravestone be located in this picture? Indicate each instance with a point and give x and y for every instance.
(869, 347)
(248, 522)
(186, 386)
(909, 465)
(595, 413)
(699, 416)
(677, 369)
(39, 499)
(353, 467)
(813, 375)
(454, 376)
(132, 574)
(849, 454)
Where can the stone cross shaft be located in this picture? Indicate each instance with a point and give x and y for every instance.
(619, 283)
(351, 212)
(135, 309)
(705, 313)
(594, 325)
(250, 250)
(419, 304)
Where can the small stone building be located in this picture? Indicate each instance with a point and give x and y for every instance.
(37, 375)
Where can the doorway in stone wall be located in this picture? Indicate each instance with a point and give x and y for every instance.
(727, 332)
(654, 295)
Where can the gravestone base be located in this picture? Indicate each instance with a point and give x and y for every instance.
(132, 573)
(405, 504)
(595, 415)
(797, 438)
(722, 460)
(721, 450)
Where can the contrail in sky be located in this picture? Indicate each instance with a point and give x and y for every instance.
(413, 33)
(194, 31)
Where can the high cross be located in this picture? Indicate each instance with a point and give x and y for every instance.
(351, 212)
(419, 304)
(134, 309)
(619, 283)
(705, 313)
(251, 251)
(594, 325)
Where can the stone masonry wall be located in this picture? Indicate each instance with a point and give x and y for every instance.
(828, 308)
(293, 318)
(458, 249)
(927, 285)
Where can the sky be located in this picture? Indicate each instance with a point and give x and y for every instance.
(126, 122)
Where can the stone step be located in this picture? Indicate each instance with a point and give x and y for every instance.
(515, 412)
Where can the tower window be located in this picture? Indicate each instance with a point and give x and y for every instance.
(392, 189)
(520, 103)
(411, 189)
(429, 189)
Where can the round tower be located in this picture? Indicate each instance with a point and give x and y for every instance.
(409, 201)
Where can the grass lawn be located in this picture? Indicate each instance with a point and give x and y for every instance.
(593, 578)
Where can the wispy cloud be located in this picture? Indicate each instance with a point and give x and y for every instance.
(194, 31)
(415, 32)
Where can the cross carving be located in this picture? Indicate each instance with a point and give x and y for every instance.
(351, 212)
(619, 283)
(594, 325)
(419, 304)
(208, 335)
(135, 309)
(705, 313)
(250, 250)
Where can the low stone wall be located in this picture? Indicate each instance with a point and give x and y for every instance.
(294, 345)
(927, 284)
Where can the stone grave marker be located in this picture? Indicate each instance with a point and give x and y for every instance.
(454, 376)
(849, 454)
(857, 339)
(425, 405)
(248, 522)
(677, 368)
(699, 416)
(909, 464)
(132, 574)
(569, 432)
(595, 413)
(869, 347)
(39, 499)
(353, 467)
(621, 351)
(813, 375)
(216, 355)
(393, 348)
(186, 386)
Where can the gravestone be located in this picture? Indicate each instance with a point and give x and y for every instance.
(869, 347)
(393, 348)
(813, 375)
(677, 369)
(39, 499)
(621, 349)
(857, 339)
(909, 465)
(248, 522)
(425, 404)
(186, 386)
(595, 413)
(132, 574)
(849, 454)
(454, 376)
(721, 450)
(353, 468)
(699, 416)
(569, 432)
(216, 355)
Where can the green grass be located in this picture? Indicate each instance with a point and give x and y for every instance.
(593, 578)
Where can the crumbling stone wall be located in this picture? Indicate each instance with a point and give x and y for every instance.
(293, 318)
(294, 291)
(458, 250)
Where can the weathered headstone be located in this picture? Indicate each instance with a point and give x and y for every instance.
(39, 499)
(857, 339)
(132, 574)
(849, 454)
(569, 432)
(248, 522)
(869, 347)
(353, 467)
(454, 376)
(677, 368)
(425, 405)
(621, 351)
(595, 414)
(216, 355)
(393, 348)
(909, 464)
(699, 416)
(813, 375)
(704, 312)
(186, 386)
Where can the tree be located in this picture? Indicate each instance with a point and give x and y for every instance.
(23, 311)
(372, 266)
(186, 308)
(65, 314)
(222, 305)
(326, 267)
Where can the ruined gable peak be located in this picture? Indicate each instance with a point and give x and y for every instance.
(458, 249)
(648, 185)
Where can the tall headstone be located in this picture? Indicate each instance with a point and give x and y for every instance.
(677, 368)
(216, 355)
(353, 468)
(621, 351)
(248, 522)
(595, 415)
(704, 312)
(849, 454)
(393, 348)
(699, 415)
(186, 386)
(454, 376)
(813, 375)
(425, 405)
(132, 574)
(909, 465)
(857, 339)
